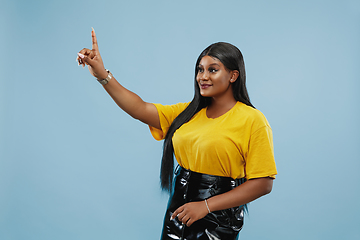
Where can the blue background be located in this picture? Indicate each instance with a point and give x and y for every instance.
(74, 166)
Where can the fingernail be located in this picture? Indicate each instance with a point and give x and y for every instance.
(92, 29)
(171, 218)
(81, 55)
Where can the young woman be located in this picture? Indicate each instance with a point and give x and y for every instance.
(223, 145)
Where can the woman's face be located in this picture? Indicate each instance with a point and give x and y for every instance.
(214, 78)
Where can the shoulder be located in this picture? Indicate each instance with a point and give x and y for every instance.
(174, 108)
(252, 116)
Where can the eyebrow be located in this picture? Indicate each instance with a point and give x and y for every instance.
(210, 64)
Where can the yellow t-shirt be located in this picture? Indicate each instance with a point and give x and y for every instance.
(237, 144)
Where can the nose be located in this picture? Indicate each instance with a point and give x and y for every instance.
(204, 75)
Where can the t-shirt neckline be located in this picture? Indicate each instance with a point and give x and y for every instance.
(221, 116)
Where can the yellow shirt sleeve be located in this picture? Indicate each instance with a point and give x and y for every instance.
(167, 114)
(260, 160)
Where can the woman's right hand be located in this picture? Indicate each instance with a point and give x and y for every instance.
(125, 99)
(93, 59)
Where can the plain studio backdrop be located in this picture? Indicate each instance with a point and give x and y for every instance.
(74, 166)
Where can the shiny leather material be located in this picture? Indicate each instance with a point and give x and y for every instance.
(219, 225)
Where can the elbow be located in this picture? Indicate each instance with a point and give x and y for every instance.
(267, 190)
(264, 186)
(268, 186)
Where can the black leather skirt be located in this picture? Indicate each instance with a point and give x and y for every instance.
(218, 225)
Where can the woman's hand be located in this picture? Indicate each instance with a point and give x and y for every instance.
(190, 212)
(93, 59)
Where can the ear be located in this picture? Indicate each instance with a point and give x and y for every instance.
(234, 75)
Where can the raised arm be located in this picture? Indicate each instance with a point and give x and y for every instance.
(125, 99)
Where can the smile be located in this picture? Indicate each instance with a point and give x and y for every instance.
(204, 86)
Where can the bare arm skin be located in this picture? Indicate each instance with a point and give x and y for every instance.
(125, 99)
(245, 193)
(133, 104)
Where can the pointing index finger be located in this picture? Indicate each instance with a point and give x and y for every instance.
(94, 40)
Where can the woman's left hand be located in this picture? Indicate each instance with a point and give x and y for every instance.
(190, 212)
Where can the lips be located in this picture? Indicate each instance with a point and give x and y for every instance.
(204, 86)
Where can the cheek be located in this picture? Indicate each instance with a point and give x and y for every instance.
(197, 78)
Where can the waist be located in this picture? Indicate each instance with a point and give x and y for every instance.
(200, 186)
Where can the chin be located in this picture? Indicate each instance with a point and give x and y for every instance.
(204, 94)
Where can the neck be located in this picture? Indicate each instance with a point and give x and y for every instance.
(223, 102)
(219, 107)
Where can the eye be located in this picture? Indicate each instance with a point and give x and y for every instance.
(200, 69)
(213, 70)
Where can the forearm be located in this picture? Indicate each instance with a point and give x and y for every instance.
(245, 193)
(132, 104)
(128, 101)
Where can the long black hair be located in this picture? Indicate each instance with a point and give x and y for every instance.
(231, 57)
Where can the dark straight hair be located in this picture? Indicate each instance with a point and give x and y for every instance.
(231, 57)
